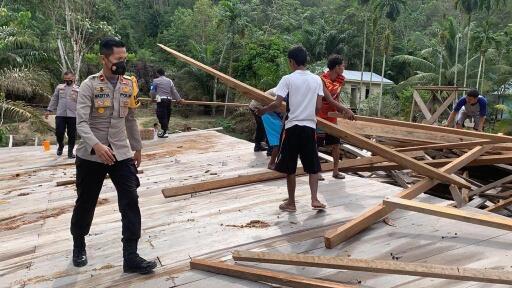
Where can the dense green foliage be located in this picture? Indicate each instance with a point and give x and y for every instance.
(424, 41)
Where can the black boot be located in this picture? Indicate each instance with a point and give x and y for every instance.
(79, 253)
(60, 149)
(70, 153)
(133, 263)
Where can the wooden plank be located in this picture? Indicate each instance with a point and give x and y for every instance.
(465, 144)
(480, 161)
(500, 205)
(188, 102)
(231, 182)
(399, 179)
(421, 104)
(327, 126)
(457, 196)
(262, 275)
(491, 185)
(335, 236)
(379, 266)
(450, 213)
(374, 159)
(431, 128)
(441, 108)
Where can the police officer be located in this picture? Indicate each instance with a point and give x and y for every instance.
(163, 92)
(63, 102)
(105, 119)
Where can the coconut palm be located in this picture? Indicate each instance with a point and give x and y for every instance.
(467, 7)
(364, 6)
(387, 45)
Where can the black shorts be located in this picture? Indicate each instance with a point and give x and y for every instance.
(298, 141)
(331, 140)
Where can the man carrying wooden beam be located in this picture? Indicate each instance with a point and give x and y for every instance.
(334, 81)
(305, 92)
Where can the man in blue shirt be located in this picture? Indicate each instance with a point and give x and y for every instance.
(473, 106)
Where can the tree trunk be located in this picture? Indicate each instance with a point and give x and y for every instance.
(456, 60)
(362, 64)
(371, 68)
(467, 51)
(440, 69)
(479, 71)
(381, 85)
(216, 81)
(483, 75)
(227, 88)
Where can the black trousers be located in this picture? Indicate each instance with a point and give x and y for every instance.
(163, 113)
(89, 180)
(63, 124)
(259, 134)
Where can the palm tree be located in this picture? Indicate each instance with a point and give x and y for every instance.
(467, 7)
(364, 5)
(391, 10)
(387, 45)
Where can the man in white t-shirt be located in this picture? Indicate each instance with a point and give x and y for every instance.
(305, 91)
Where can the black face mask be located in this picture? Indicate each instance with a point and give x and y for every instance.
(119, 68)
(68, 82)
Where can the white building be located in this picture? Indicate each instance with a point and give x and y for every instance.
(353, 83)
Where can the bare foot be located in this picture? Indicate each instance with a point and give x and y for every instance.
(338, 176)
(317, 205)
(320, 177)
(271, 166)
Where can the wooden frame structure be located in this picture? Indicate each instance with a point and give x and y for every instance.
(440, 99)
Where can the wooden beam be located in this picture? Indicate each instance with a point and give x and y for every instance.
(337, 235)
(457, 196)
(500, 205)
(262, 275)
(374, 159)
(188, 102)
(232, 181)
(441, 108)
(421, 104)
(326, 126)
(466, 144)
(432, 128)
(491, 185)
(450, 213)
(481, 161)
(379, 266)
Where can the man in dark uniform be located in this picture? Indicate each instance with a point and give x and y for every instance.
(63, 103)
(105, 121)
(163, 92)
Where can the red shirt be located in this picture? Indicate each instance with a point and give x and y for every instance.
(334, 87)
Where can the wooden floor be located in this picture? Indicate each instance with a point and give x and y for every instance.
(35, 214)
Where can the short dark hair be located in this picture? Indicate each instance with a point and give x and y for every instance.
(68, 72)
(473, 93)
(107, 45)
(299, 55)
(160, 72)
(334, 60)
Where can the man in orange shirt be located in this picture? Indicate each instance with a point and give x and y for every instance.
(334, 81)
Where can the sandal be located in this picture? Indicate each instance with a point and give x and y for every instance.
(285, 207)
(319, 207)
(338, 176)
